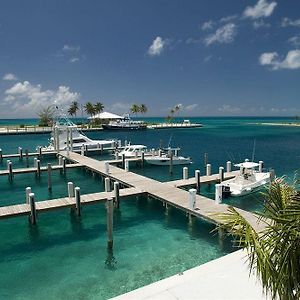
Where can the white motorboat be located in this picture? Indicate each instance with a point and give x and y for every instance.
(125, 124)
(65, 130)
(163, 157)
(248, 180)
(133, 151)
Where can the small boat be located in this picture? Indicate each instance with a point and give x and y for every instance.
(65, 127)
(125, 124)
(249, 180)
(163, 157)
(133, 151)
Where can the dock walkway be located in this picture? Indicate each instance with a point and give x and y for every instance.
(205, 208)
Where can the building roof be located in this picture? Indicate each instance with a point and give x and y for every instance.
(106, 116)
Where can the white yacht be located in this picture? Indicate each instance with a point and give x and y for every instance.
(248, 180)
(65, 129)
(133, 150)
(125, 124)
(163, 157)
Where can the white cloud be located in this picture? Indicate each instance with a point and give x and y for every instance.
(208, 25)
(157, 46)
(71, 48)
(291, 61)
(191, 107)
(225, 108)
(228, 18)
(10, 77)
(262, 9)
(207, 58)
(74, 59)
(260, 23)
(289, 22)
(295, 40)
(27, 99)
(223, 35)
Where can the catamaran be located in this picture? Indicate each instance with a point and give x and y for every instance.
(64, 129)
(248, 180)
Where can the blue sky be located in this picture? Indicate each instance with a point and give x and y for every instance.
(232, 57)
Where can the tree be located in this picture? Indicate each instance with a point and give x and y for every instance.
(143, 108)
(99, 107)
(274, 252)
(46, 115)
(89, 109)
(72, 111)
(135, 109)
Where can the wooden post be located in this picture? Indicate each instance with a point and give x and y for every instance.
(32, 209)
(10, 171)
(20, 151)
(219, 193)
(27, 192)
(70, 189)
(49, 176)
(64, 165)
(40, 152)
(221, 174)
(117, 194)
(197, 178)
(86, 150)
(106, 168)
(185, 173)
(110, 211)
(143, 158)
(208, 169)
(35, 162)
(27, 158)
(171, 162)
(77, 200)
(192, 198)
(107, 185)
(123, 161)
(101, 149)
(38, 168)
(1, 155)
(126, 165)
(228, 166)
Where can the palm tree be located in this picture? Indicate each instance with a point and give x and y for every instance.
(46, 115)
(135, 109)
(89, 108)
(72, 111)
(143, 108)
(274, 252)
(98, 107)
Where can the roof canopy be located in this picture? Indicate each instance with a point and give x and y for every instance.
(247, 165)
(106, 116)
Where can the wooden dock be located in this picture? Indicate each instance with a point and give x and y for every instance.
(66, 202)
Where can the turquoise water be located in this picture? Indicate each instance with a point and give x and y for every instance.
(66, 257)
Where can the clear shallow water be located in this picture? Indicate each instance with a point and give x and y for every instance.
(64, 256)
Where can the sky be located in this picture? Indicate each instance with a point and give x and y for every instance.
(213, 57)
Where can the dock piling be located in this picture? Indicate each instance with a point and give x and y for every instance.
(32, 209)
(70, 189)
(208, 169)
(171, 162)
(10, 171)
(20, 152)
(106, 168)
(27, 158)
(117, 194)
(77, 200)
(192, 198)
(218, 193)
(64, 165)
(82, 150)
(49, 169)
(1, 155)
(123, 161)
(110, 211)
(221, 174)
(126, 165)
(228, 166)
(119, 144)
(197, 178)
(272, 174)
(27, 192)
(35, 162)
(101, 149)
(40, 152)
(38, 168)
(185, 173)
(107, 184)
(143, 158)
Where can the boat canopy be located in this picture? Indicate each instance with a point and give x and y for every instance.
(247, 165)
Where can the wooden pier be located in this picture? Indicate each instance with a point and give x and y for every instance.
(169, 193)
